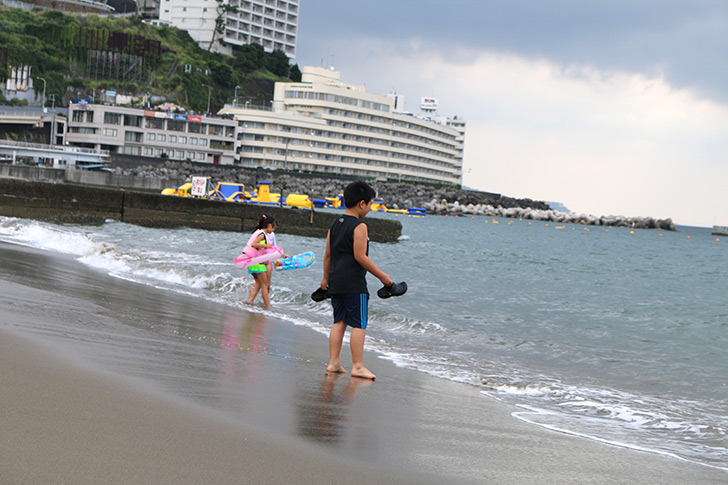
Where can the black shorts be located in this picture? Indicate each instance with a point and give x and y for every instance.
(351, 309)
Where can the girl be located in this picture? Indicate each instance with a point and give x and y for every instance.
(261, 239)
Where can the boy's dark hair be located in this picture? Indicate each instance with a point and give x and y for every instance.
(358, 191)
(264, 221)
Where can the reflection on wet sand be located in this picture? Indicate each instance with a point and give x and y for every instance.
(322, 415)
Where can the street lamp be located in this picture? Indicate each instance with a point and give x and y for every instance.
(235, 96)
(44, 87)
(209, 93)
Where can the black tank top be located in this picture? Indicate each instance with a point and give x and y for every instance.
(346, 275)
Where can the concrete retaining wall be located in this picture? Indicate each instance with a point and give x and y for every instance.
(60, 202)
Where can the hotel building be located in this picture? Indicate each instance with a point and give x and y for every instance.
(324, 125)
(159, 134)
(270, 23)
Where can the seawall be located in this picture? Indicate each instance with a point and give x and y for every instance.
(71, 203)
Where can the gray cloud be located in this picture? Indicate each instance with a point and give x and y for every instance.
(684, 41)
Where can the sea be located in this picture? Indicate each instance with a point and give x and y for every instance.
(614, 334)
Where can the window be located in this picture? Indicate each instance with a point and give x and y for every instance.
(112, 118)
(203, 142)
(148, 151)
(175, 125)
(155, 123)
(173, 138)
(195, 128)
(132, 150)
(132, 120)
(151, 136)
(161, 137)
(190, 155)
(193, 140)
(109, 132)
(183, 139)
(200, 156)
(83, 131)
(90, 117)
(180, 154)
(78, 116)
(216, 130)
(134, 136)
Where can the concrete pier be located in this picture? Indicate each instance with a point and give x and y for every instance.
(64, 202)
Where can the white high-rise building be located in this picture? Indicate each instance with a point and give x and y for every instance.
(270, 23)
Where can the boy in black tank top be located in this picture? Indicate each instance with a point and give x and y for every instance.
(346, 263)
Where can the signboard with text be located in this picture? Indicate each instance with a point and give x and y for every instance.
(428, 103)
(199, 186)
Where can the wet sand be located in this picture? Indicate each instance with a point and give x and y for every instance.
(74, 411)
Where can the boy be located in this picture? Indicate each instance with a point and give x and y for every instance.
(346, 263)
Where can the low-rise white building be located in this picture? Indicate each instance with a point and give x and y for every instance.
(324, 125)
(161, 134)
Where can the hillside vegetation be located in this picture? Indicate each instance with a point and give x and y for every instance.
(163, 62)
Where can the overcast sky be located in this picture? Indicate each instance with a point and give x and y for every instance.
(609, 107)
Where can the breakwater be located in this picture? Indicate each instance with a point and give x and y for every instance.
(395, 195)
(550, 215)
(71, 203)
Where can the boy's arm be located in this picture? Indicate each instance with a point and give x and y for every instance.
(327, 262)
(361, 236)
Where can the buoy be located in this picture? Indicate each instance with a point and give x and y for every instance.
(631, 232)
(688, 237)
(529, 223)
(586, 228)
(660, 234)
(473, 217)
(606, 230)
(717, 239)
(547, 225)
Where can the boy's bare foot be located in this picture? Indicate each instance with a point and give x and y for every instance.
(362, 372)
(336, 369)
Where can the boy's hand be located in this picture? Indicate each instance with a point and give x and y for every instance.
(324, 284)
(386, 280)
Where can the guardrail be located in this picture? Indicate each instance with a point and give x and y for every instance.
(39, 146)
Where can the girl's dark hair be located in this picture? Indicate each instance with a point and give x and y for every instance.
(264, 221)
(356, 192)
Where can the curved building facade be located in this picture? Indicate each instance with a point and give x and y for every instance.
(324, 125)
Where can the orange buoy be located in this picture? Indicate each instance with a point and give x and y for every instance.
(688, 237)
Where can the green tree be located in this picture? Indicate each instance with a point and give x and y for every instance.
(222, 74)
(295, 74)
(277, 63)
(248, 58)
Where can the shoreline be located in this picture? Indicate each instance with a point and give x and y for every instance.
(81, 408)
